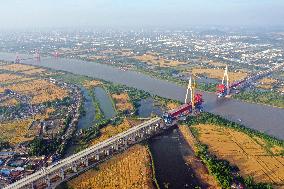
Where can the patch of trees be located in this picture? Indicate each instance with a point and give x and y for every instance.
(211, 87)
(93, 132)
(39, 146)
(220, 169)
(98, 112)
(267, 97)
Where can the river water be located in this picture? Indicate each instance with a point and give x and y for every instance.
(87, 120)
(263, 118)
(104, 102)
(168, 154)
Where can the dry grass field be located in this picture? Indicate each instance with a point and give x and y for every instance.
(8, 102)
(122, 102)
(40, 90)
(91, 84)
(111, 130)
(16, 67)
(249, 154)
(216, 64)
(6, 79)
(34, 71)
(172, 105)
(153, 59)
(218, 73)
(16, 131)
(129, 170)
(267, 83)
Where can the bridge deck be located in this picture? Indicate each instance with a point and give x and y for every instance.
(79, 156)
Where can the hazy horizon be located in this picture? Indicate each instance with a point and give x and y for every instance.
(24, 14)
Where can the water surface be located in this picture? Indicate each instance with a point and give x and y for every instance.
(88, 119)
(105, 102)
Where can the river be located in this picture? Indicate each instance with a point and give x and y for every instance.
(260, 117)
(168, 152)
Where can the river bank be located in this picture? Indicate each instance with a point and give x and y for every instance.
(193, 161)
(263, 118)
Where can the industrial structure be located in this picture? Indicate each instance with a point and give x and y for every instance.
(225, 88)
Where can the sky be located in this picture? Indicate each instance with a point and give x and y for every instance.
(139, 13)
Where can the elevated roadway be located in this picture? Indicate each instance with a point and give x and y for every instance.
(64, 169)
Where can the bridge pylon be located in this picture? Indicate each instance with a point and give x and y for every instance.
(224, 88)
(190, 88)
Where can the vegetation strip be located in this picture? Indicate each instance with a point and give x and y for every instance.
(221, 169)
(153, 168)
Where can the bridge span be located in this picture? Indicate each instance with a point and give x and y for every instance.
(224, 89)
(67, 168)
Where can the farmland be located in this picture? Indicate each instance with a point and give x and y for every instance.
(91, 84)
(34, 71)
(16, 67)
(6, 79)
(39, 90)
(267, 83)
(8, 101)
(154, 59)
(218, 73)
(131, 169)
(16, 132)
(253, 156)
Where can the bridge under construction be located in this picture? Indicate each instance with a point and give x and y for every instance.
(224, 89)
(65, 169)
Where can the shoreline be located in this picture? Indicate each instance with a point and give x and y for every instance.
(201, 170)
